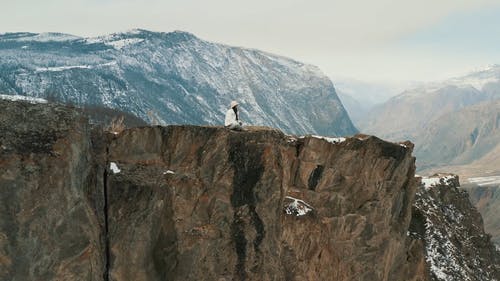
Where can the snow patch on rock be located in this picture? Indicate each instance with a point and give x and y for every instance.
(334, 140)
(46, 37)
(297, 207)
(429, 182)
(114, 168)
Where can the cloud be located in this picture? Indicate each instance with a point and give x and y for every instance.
(342, 22)
(318, 31)
(461, 33)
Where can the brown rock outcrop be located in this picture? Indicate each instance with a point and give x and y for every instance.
(214, 198)
(359, 218)
(195, 204)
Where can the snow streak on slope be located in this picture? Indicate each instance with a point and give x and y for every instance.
(68, 67)
(478, 78)
(22, 98)
(119, 44)
(484, 181)
(38, 37)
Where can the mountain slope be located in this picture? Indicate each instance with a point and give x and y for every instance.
(402, 116)
(172, 77)
(486, 166)
(487, 201)
(461, 137)
(354, 107)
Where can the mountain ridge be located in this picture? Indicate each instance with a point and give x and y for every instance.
(405, 115)
(161, 74)
(463, 137)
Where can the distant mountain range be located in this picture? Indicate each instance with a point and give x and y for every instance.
(452, 123)
(173, 78)
(359, 97)
(405, 115)
(461, 137)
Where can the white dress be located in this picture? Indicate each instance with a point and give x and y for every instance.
(231, 121)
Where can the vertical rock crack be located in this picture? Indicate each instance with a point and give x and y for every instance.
(248, 169)
(106, 221)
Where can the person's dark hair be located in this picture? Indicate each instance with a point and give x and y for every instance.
(235, 109)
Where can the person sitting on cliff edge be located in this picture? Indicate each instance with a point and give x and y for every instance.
(233, 121)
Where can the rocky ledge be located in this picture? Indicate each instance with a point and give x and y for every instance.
(452, 232)
(200, 203)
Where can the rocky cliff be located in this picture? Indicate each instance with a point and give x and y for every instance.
(51, 218)
(451, 228)
(486, 198)
(200, 203)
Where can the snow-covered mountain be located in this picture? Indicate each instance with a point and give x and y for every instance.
(403, 116)
(172, 78)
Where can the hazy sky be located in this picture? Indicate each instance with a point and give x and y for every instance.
(384, 40)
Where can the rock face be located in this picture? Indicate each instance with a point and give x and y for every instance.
(357, 218)
(486, 198)
(51, 199)
(456, 246)
(216, 199)
(200, 203)
(172, 78)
